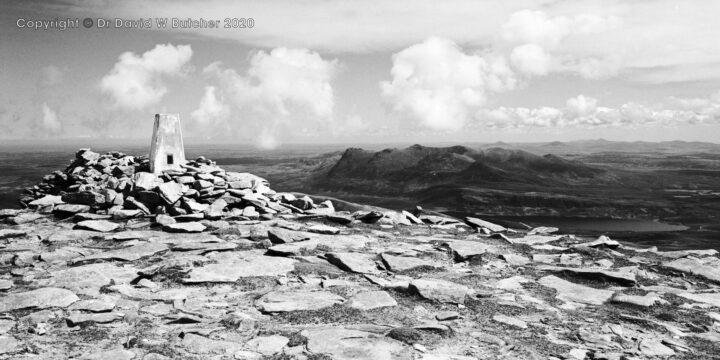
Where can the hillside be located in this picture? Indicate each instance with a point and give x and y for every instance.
(109, 261)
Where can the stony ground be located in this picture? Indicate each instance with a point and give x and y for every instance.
(305, 287)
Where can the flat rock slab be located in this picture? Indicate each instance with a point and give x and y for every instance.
(332, 242)
(8, 344)
(59, 235)
(88, 279)
(114, 354)
(508, 320)
(515, 259)
(369, 300)
(234, 265)
(440, 290)
(569, 291)
(201, 345)
(404, 263)
(204, 246)
(463, 250)
(267, 345)
(323, 229)
(97, 225)
(621, 277)
(535, 239)
(11, 233)
(478, 223)
(707, 268)
(6, 284)
(184, 227)
(78, 318)
(706, 298)
(130, 253)
(647, 300)
(347, 344)
(353, 262)
(92, 305)
(39, 299)
(284, 236)
(284, 301)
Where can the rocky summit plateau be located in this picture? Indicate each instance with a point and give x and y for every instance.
(110, 261)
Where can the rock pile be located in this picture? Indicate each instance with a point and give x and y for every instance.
(121, 186)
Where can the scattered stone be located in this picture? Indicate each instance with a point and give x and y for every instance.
(284, 301)
(602, 241)
(369, 300)
(464, 250)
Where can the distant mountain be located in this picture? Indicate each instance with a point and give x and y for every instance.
(418, 167)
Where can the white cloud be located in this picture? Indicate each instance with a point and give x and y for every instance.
(212, 109)
(535, 27)
(531, 59)
(581, 105)
(50, 121)
(284, 89)
(436, 83)
(135, 82)
(582, 111)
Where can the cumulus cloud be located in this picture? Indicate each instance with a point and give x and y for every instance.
(212, 109)
(583, 111)
(439, 85)
(135, 82)
(531, 59)
(539, 38)
(279, 89)
(50, 121)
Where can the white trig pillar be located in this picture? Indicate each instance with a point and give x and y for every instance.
(166, 149)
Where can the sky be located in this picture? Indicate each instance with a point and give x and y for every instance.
(362, 71)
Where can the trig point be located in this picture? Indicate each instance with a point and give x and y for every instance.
(166, 149)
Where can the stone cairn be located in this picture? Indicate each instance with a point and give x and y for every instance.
(118, 186)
